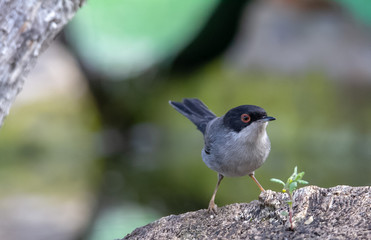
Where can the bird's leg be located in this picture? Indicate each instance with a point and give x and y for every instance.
(212, 206)
(256, 181)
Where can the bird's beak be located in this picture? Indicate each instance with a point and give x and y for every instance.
(267, 119)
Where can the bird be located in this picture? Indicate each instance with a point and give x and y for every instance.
(235, 144)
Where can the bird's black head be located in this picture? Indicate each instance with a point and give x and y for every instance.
(242, 116)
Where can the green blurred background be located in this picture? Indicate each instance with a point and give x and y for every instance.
(92, 149)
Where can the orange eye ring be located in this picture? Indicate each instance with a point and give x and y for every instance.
(245, 118)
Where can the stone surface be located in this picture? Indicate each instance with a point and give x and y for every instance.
(341, 212)
(26, 30)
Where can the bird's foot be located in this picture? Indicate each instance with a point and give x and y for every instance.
(213, 208)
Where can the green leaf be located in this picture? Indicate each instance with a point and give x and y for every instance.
(293, 186)
(293, 175)
(277, 181)
(299, 176)
(302, 181)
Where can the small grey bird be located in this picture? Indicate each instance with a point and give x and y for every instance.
(236, 144)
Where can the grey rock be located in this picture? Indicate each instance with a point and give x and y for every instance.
(341, 212)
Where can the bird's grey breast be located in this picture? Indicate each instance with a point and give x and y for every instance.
(235, 153)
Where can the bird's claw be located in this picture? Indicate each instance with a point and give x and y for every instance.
(213, 208)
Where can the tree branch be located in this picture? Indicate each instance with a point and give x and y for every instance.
(26, 29)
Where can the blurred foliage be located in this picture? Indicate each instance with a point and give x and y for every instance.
(144, 33)
(48, 147)
(322, 125)
(361, 9)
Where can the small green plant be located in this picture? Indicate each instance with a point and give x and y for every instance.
(289, 187)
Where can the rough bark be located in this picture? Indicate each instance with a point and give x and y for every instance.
(26, 29)
(340, 212)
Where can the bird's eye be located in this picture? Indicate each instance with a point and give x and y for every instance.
(245, 118)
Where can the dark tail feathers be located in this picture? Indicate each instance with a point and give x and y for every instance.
(194, 110)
